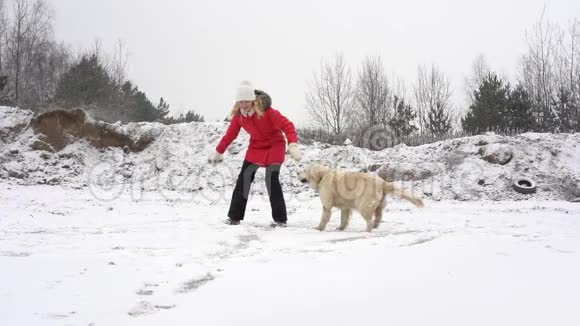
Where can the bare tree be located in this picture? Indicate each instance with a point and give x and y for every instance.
(118, 63)
(479, 70)
(331, 97)
(373, 94)
(567, 58)
(3, 28)
(567, 76)
(399, 88)
(49, 63)
(538, 71)
(4, 92)
(432, 95)
(28, 39)
(116, 67)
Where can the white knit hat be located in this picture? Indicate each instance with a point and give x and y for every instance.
(245, 92)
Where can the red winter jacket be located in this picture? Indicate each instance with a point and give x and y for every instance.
(267, 144)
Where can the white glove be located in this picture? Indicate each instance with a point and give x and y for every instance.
(215, 158)
(294, 151)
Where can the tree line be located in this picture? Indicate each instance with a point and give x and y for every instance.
(544, 98)
(38, 72)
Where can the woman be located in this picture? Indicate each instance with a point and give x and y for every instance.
(267, 148)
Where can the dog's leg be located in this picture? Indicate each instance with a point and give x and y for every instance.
(367, 214)
(344, 219)
(326, 212)
(379, 214)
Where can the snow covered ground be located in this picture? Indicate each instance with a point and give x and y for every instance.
(106, 237)
(73, 257)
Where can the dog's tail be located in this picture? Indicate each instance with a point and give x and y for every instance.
(395, 189)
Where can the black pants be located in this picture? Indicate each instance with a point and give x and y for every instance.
(242, 191)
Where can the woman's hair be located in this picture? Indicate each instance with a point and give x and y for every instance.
(258, 105)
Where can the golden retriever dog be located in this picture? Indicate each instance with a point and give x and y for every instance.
(347, 190)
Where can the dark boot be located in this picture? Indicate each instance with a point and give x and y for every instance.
(242, 191)
(275, 194)
(229, 221)
(278, 224)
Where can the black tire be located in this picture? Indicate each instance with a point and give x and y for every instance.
(524, 185)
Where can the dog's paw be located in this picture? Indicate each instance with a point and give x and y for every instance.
(340, 228)
(319, 228)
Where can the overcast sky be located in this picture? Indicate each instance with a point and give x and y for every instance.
(194, 53)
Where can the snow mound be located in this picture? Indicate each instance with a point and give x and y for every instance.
(176, 161)
(12, 121)
(11, 117)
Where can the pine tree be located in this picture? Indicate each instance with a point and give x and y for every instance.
(191, 116)
(402, 118)
(519, 111)
(137, 106)
(163, 108)
(438, 120)
(568, 111)
(488, 111)
(85, 83)
(547, 119)
(88, 84)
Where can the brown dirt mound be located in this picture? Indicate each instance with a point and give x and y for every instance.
(58, 128)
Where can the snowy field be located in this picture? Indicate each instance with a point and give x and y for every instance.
(70, 258)
(94, 236)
